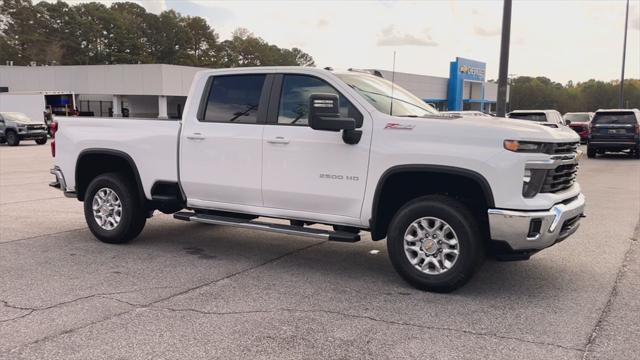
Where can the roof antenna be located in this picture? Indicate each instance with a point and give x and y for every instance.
(393, 79)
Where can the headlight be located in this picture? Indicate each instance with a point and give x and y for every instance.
(532, 182)
(523, 146)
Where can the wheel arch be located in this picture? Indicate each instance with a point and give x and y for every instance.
(381, 216)
(110, 161)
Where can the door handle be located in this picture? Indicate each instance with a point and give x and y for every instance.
(195, 136)
(278, 140)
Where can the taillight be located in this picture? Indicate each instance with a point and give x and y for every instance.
(53, 128)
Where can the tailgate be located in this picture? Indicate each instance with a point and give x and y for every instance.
(614, 126)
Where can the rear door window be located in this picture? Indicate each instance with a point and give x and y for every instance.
(622, 118)
(234, 99)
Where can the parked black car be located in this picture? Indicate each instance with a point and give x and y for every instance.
(615, 130)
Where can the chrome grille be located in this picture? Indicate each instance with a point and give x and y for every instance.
(565, 148)
(560, 178)
(36, 127)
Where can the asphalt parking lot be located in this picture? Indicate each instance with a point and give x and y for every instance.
(192, 291)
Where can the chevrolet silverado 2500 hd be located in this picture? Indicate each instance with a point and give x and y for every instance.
(349, 150)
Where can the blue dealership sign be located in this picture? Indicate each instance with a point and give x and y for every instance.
(462, 70)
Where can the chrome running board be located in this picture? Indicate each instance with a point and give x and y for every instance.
(341, 236)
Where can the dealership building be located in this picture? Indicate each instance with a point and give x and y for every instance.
(160, 91)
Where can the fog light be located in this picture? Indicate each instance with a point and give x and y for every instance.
(534, 228)
(532, 181)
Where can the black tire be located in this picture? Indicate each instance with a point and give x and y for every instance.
(41, 141)
(133, 215)
(591, 152)
(12, 138)
(466, 228)
(636, 152)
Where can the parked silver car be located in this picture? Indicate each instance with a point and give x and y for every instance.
(15, 127)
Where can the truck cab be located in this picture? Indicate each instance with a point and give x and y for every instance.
(349, 151)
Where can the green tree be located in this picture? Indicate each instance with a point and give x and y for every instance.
(171, 38)
(130, 41)
(95, 32)
(246, 49)
(202, 42)
(125, 33)
(22, 30)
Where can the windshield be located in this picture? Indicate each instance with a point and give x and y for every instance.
(615, 118)
(386, 98)
(577, 117)
(539, 117)
(16, 116)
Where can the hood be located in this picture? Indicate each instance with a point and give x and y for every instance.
(17, 118)
(521, 129)
(23, 121)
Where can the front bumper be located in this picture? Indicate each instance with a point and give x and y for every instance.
(520, 230)
(60, 183)
(32, 134)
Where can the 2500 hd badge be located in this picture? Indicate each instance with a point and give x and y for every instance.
(339, 177)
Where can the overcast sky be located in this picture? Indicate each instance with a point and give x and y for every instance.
(563, 40)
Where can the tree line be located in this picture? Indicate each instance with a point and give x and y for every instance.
(527, 93)
(125, 33)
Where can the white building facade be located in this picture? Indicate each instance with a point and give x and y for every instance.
(141, 90)
(160, 91)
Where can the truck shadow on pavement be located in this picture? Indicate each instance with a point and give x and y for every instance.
(362, 266)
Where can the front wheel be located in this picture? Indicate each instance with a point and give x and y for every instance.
(113, 210)
(434, 243)
(591, 152)
(12, 138)
(41, 141)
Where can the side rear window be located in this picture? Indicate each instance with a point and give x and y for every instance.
(234, 98)
(294, 100)
(627, 118)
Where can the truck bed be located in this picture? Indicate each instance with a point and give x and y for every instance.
(152, 143)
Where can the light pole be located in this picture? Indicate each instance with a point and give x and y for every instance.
(503, 72)
(624, 53)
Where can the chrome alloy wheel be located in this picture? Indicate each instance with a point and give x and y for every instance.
(107, 208)
(431, 245)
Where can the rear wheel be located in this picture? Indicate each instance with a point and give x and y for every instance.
(12, 138)
(636, 152)
(434, 243)
(113, 210)
(41, 141)
(591, 152)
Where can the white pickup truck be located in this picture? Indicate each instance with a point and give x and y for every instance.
(314, 146)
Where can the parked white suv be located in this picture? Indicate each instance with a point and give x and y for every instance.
(315, 146)
(551, 118)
